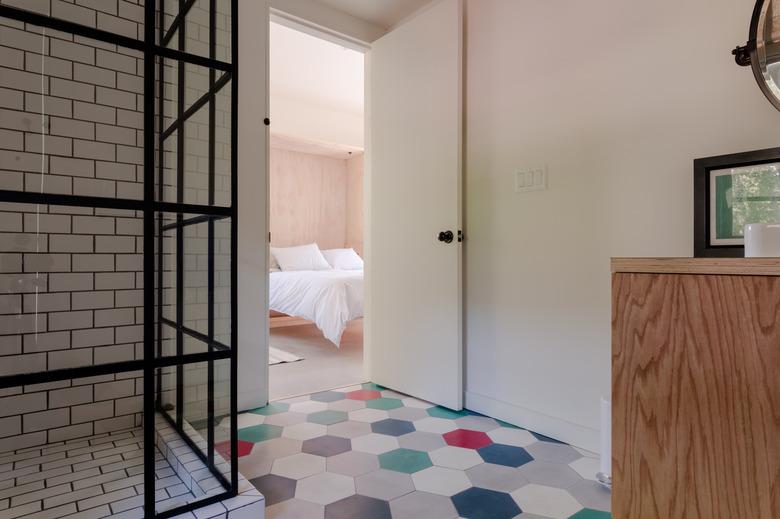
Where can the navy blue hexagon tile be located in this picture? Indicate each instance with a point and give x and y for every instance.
(358, 506)
(480, 503)
(506, 455)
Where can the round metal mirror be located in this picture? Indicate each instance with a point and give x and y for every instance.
(762, 51)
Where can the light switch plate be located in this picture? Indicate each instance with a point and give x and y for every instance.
(530, 180)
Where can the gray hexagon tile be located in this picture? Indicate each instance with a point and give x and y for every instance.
(353, 463)
(418, 505)
(407, 413)
(358, 507)
(422, 441)
(325, 488)
(349, 429)
(384, 484)
(326, 446)
(496, 477)
(295, 509)
(555, 452)
(550, 474)
(362, 456)
(591, 495)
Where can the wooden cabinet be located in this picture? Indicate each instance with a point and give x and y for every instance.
(696, 388)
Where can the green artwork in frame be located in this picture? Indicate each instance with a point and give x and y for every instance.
(742, 195)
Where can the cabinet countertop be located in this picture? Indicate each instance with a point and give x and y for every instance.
(712, 266)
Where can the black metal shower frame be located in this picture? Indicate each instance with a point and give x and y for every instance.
(151, 207)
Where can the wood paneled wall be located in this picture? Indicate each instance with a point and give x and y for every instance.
(312, 201)
(355, 203)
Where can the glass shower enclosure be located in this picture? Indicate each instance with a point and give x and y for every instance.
(118, 253)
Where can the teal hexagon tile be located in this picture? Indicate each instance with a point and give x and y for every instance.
(506, 424)
(272, 408)
(443, 412)
(405, 460)
(373, 387)
(384, 403)
(327, 417)
(259, 433)
(587, 513)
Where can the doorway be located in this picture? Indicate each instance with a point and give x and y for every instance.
(316, 211)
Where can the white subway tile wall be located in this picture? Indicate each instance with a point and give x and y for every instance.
(71, 122)
(70, 276)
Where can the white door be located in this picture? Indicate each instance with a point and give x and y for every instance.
(413, 279)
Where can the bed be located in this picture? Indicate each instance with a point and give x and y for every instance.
(328, 298)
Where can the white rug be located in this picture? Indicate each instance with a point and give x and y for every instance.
(277, 356)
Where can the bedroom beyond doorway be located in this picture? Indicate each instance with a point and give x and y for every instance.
(316, 213)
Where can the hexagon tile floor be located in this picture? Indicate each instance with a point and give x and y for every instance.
(365, 452)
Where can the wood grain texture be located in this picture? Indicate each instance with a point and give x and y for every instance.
(355, 203)
(717, 266)
(695, 397)
(308, 199)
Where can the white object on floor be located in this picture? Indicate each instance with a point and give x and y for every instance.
(330, 298)
(762, 240)
(277, 356)
(605, 474)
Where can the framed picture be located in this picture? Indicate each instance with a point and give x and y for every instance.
(730, 191)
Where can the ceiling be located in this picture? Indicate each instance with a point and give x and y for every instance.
(384, 13)
(315, 71)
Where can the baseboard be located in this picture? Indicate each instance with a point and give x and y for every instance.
(562, 430)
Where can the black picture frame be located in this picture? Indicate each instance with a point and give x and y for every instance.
(702, 168)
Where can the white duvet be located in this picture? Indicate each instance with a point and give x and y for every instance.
(330, 298)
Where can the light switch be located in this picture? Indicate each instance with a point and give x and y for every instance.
(530, 180)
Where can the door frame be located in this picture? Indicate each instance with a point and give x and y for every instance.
(298, 23)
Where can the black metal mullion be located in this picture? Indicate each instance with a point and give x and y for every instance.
(166, 37)
(202, 337)
(32, 197)
(160, 197)
(24, 379)
(193, 221)
(180, 229)
(211, 265)
(234, 250)
(108, 37)
(198, 104)
(148, 289)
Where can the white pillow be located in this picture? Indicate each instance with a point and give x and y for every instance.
(343, 259)
(303, 257)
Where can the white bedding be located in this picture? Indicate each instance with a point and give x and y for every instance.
(330, 298)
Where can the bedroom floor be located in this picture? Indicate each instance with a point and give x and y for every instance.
(370, 453)
(324, 366)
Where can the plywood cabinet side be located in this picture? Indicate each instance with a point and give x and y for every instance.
(695, 396)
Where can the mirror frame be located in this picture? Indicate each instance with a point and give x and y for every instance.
(751, 50)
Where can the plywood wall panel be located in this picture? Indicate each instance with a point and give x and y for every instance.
(355, 203)
(308, 199)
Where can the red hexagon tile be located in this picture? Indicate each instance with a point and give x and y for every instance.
(364, 394)
(223, 448)
(467, 439)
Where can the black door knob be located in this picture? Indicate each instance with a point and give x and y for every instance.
(446, 236)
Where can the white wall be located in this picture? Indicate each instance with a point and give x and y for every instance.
(313, 122)
(617, 97)
(252, 213)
